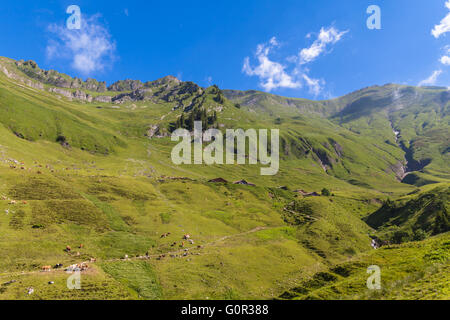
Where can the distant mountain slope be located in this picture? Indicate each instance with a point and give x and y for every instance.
(420, 118)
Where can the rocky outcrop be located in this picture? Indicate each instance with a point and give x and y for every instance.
(398, 169)
(104, 99)
(61, 92)
(28, 82)
(54, 78)
(79, 95)
(126, 85)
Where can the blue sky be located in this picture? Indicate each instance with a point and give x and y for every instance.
(299, 48)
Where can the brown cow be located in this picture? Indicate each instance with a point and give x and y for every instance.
(81, 246)
(46, 268)
(68, 248)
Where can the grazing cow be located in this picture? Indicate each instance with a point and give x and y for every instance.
(58, 266)
(81, 246)
(68, 249)
(182, 245)
(93, 260)
(46, 268)
(173, 244)
(84, 267)
(191, 241)
(186, 237)
(24, 202)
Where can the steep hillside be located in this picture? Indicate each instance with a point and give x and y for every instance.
(413, 271)
(413, 219)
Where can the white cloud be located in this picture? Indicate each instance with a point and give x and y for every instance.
(431, 80)
(314, 85)
(445, 60)
(272, 74)
(444, 25)
(326, 36)
(89, 49)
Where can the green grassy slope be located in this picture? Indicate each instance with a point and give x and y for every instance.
(412, 271)
(111, 186)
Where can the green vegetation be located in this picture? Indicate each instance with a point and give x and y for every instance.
(97, 176)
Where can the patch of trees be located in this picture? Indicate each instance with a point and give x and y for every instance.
(186, 121)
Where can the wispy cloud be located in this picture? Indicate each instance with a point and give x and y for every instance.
(326, 36)
(431, 80)
(315, 85)
(89, 49)
(209, 80)
(274, 75)
(444, 26)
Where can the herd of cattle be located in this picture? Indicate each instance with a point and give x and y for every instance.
(84, 266)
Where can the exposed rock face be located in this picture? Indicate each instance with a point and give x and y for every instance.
(152, 131)
(11, 75)
(80, 95)
(163, 81)
(104, 99)
(399, 170)
(337, 148)
(126, 85)
(62, 92)
(94, 85)
(52, 77)
(167, 89)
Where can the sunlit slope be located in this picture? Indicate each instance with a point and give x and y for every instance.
(412, 271)
(96, 173)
